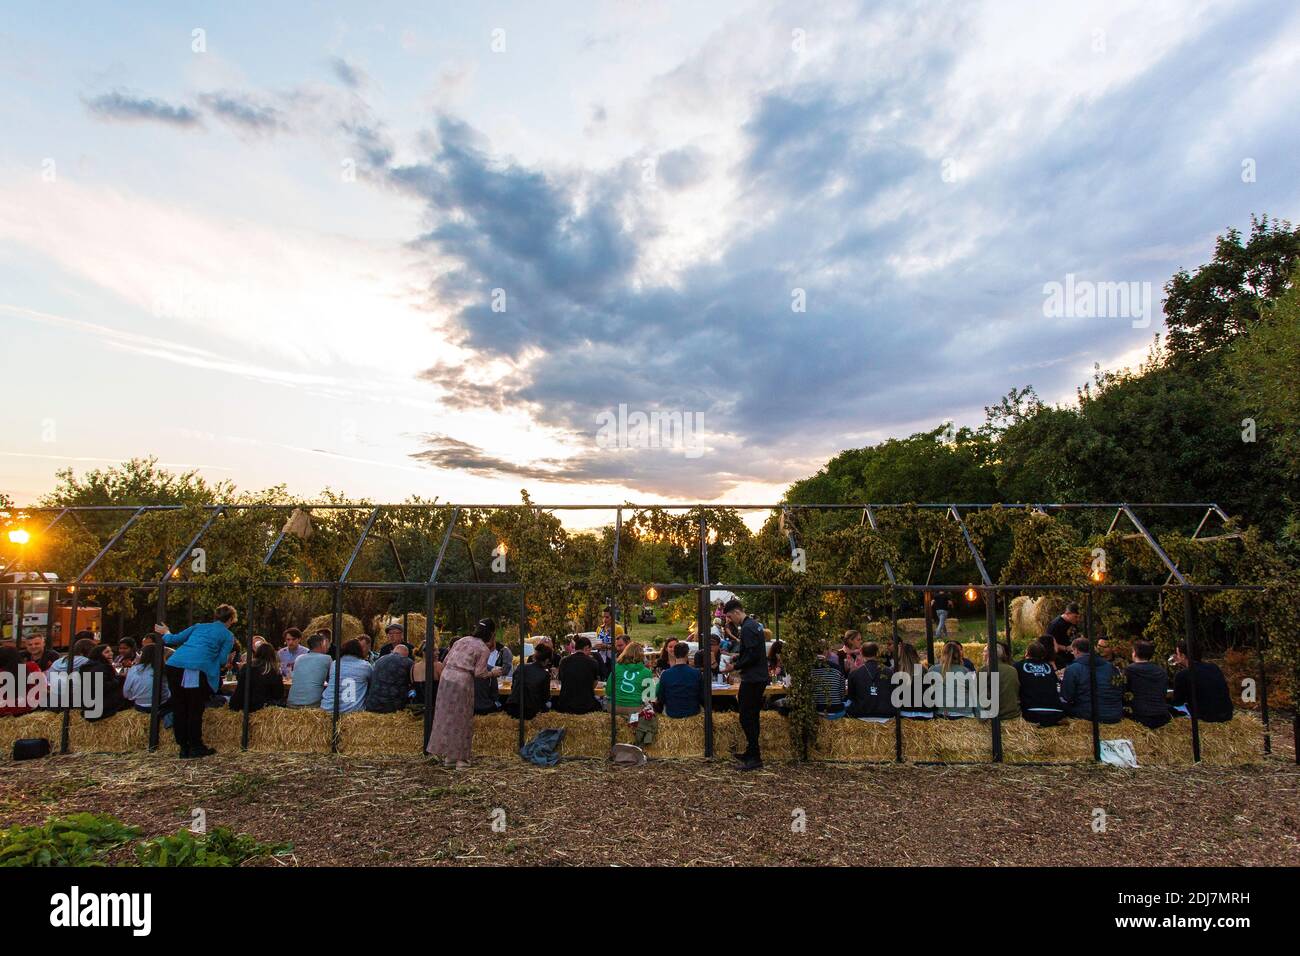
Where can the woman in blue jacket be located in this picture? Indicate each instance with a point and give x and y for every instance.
(194, 675)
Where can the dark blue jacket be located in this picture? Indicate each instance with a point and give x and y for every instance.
(1076, 691)
(681, 691)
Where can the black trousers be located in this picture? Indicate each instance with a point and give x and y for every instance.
(750, 701)
(188, 704)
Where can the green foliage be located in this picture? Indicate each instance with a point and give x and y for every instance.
(1206, 309)
(220, 847)
(79, 839)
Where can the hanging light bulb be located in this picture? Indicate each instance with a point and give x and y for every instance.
(971, 594)
(652, 593)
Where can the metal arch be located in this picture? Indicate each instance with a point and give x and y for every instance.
(870, 516)
(356, 550)
(1155, 545)
(970, 545)
(194, 542)
(108, 547)
(442, 549)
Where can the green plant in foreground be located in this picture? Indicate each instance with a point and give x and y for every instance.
(221, 847)
(79, 839)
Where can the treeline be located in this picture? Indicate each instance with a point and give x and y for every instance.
(1210, 416)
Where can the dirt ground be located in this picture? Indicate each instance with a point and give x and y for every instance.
(386, 811)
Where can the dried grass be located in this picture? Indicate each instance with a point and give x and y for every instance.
(351, 625)
(307, 730)
(415, 625)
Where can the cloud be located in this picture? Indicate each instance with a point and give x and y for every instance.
(243, 112)
(923, 290)
(351, 76)
(118, 105)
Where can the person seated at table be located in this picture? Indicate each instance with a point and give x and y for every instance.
(1213, 703)
(956, 693)
(355, 673)
(1008, 687)
(775, 669)
(138, 686)
(263, 676)
(629, 682)
(418, 671)
(870, 685)
(1076, 686)
(34, 649)
(395, 637)
(310, 671)
(487, 690)
(292, 650)
(1147, 685)
(682, 688)
(1040, 691)
(530, 690)
(579, 672)
(390, 684)
(126, 653)
(26, 676)
(666, 656)
(908, 683)
(827, 686)
(850, 653)
(715, 656)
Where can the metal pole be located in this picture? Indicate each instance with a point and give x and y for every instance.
(430, 657)
(1092, 680)
(929, 629)
(1189, 623)
(155, 699)
(72, 643)
(898, 712)
(991, 664)
(338, 665)
(611, 691)
(702, 631)
(248, 678)
(517, 686)
(1263, 691)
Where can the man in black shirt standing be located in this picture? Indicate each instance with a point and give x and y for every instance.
(751, 664)
(940, 604)
(1060, 635)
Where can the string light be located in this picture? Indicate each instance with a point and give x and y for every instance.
(971, 594)
(19, 536)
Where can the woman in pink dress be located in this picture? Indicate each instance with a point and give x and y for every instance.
(452, 736)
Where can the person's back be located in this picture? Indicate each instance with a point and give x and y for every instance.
(1213, 703)
(111, 700)
(310, 672)
(869, 690)
(629, 684)
(1008, 691)
(354, 682)
(390, 684)
(827, 686)
(531, 689)
(681, 690)
(1076, 688)
(1147, 683)
(487, 690)
(578, 674)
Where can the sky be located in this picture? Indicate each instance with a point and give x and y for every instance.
(445, 249)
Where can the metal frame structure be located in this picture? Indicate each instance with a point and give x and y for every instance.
(987, 589)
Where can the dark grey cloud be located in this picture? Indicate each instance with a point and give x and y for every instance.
(349, 75)
(244, 112)
(924, 296)
(120, 105)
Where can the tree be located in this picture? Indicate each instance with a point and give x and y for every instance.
(1221, 300)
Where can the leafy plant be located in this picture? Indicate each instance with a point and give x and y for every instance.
(79, 839)
(220, 847)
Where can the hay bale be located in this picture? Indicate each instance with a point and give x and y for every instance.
(1030, 616)
(42, 723)
(415, 625)
(379, 734)
(351, 626)
(1237, 742)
